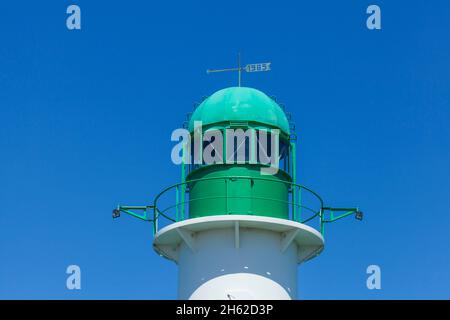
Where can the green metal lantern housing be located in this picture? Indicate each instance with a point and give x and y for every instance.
(247, 192)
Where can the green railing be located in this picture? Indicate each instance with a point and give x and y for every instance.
(305, 205)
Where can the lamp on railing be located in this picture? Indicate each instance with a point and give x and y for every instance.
(115, 213)
(359, 215)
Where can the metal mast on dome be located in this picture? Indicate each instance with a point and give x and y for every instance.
(254, 67)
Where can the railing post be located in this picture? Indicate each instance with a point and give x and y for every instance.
(294, 180)
(293, 204)
(183, 179)
(155, 220)
(300, 204)
(322, 224)
(177, 201)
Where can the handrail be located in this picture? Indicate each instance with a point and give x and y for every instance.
(237, 197)
(237, 177)
(161, 212)
(294, 187)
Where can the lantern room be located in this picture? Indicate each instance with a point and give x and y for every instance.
(246, 136)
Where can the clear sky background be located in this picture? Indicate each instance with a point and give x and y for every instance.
(86, 118)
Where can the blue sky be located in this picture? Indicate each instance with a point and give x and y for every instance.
(87, 117)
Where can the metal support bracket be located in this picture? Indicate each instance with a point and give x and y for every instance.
(187, 238)
(236, 235)
(287, 239)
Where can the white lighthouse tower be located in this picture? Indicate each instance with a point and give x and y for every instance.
(238, 256)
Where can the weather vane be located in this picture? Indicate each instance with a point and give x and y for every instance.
(254, 67)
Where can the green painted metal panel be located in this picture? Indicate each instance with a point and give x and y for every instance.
(238, 195)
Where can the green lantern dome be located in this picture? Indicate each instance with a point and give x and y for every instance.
(240, 104)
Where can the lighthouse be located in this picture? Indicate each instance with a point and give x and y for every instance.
(238, 223)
